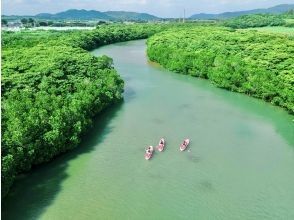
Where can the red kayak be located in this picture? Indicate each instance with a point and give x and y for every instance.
(149, 152)
(184, 145)
(161, 144)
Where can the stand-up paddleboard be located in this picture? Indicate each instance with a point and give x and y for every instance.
(149, 152)
(185, 144)
(161, 145)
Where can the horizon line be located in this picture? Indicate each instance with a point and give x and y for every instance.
(211, 13)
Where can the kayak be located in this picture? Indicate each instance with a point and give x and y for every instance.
(184, 146)
(148, 154)
(161, 144)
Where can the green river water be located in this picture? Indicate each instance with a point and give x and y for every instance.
(240, 163)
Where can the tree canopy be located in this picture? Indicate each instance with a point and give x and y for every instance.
(52, 88)
(250, 62)
(255, 20)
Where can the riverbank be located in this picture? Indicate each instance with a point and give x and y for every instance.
(52, 88)
(240, 163)
(257, 64)
(43, 113)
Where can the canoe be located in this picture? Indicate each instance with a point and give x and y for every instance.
(184, 146)
(149, 154)
(161, 145)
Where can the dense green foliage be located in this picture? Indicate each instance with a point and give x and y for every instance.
(12, 40)
(256, 20)
(261, 20)
(88, 40)
(49, 98)
(258, 64)
(52, 88)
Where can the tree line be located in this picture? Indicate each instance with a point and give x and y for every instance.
(257, 64)
(260, 20)
(52, 88)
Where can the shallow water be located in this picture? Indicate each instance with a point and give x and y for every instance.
(239, 164)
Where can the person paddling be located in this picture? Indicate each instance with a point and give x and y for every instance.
(148, 150)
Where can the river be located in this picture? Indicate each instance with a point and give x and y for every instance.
(239, 164)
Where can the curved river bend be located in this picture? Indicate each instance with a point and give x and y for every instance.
(239, 166)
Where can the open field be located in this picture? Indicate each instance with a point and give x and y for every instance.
(282, 30)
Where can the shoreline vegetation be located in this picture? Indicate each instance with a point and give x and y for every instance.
(250, 62)
(52, 87)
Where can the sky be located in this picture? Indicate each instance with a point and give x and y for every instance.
(160, 8)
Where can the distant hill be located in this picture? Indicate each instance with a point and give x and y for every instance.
(273, 10)
(125, 15)
(74, 14)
